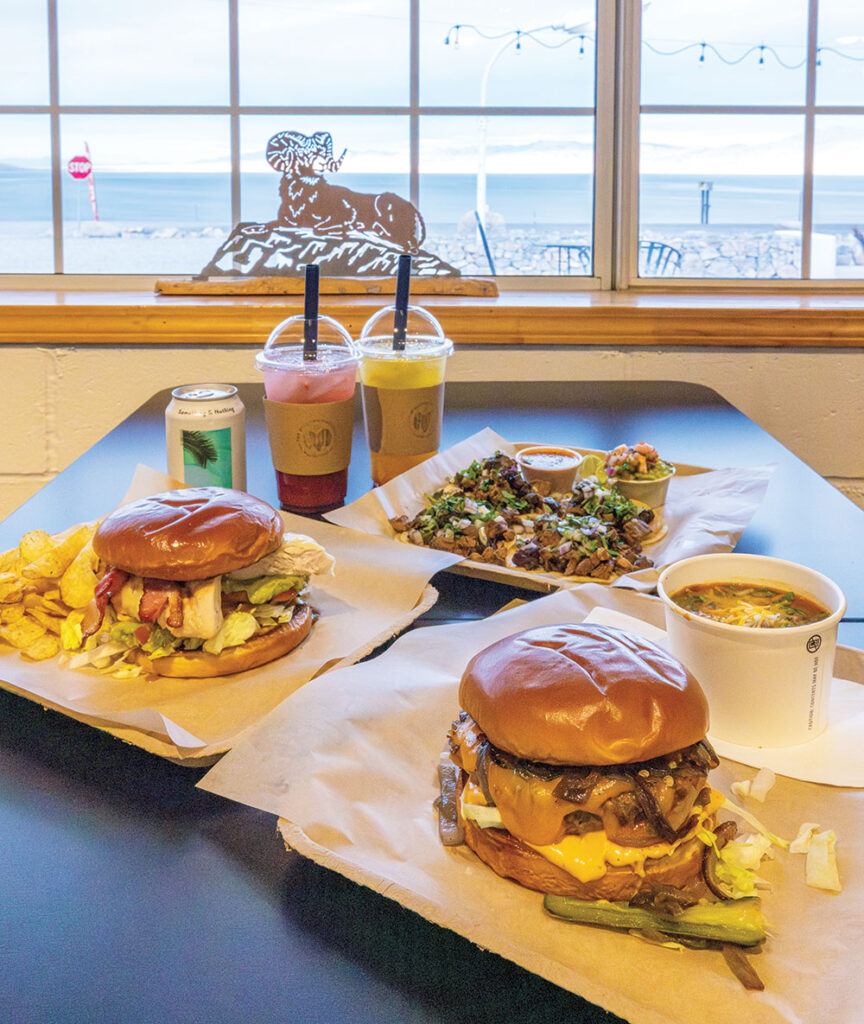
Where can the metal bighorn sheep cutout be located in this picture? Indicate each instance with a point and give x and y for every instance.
(309, 201)
(345, 232)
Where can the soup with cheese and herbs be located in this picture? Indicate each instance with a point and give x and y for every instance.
(749, 604)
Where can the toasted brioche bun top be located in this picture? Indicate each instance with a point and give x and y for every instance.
(583, 695)
(189, 534)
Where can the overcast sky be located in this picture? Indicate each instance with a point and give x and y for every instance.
(175, 51)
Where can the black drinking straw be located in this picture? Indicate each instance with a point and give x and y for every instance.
(310, 314)
(403, 287)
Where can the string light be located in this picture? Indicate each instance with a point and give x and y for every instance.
(452, 37)
(763, 49)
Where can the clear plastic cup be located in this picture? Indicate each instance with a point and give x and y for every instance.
(403, 390)
(309, 408)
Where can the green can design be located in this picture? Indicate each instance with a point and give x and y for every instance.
(207, 457)
(205, 436)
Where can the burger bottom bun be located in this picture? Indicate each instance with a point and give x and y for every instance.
(259, 650)
(511, 858)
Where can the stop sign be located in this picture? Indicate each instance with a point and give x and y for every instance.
(79, 166)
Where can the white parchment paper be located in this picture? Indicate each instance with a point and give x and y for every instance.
(835, 758)
(348, 764)
(374, 593)
(706, 511)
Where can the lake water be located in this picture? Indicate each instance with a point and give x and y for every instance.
(520, 200)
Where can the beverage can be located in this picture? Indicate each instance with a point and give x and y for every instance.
(205, 436)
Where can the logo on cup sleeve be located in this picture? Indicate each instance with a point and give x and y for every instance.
(422, 418)
(316, 438)
(814, 643)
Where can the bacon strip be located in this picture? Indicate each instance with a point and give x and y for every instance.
(158, 596)
(110, 584)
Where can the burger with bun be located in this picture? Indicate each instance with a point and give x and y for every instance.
(196, 582)
(588, 745)
(581, 771)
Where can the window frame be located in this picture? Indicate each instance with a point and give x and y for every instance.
(629, 115)
(617, 111)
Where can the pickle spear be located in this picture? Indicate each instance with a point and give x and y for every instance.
(739, 922)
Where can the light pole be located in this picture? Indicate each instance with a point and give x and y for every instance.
(512, 38)
(480, 202)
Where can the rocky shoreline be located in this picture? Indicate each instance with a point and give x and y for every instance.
(742, 253)
(715, 252)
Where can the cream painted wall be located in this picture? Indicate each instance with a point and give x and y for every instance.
(60, 401)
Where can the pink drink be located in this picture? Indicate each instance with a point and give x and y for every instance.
(311, 475)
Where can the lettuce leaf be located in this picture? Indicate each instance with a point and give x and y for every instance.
(236, 629)
(262, 589)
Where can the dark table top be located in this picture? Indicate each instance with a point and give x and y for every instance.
(128, 894)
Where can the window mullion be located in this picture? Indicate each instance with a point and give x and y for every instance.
(626, 206)
(809, 140)
(234, 104)
(54, 123)
(414, 103)
(604, 144)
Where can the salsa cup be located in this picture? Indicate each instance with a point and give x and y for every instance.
(552, 463)
(649, 492)
(766, 687)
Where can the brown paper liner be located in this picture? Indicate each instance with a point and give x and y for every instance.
(403, 421)
(310, 440)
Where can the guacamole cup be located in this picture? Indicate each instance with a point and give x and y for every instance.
(638, 472)
(649, 492)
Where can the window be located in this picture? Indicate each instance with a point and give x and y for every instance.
(751, 137)
(611, 143)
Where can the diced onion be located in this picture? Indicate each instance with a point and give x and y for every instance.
(821, 870)
(762, 784)
(801, 842)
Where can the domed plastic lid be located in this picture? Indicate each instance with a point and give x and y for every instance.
(285, 347)
(424, 336)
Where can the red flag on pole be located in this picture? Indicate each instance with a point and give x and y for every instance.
(91, 185)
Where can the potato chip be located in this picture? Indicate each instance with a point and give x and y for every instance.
(23, 633)
(51, 622)
(40, 581)
(35, 544)
(53, 562)
(39, 587)
(43, 648)
(11, 588)
(78, 582)
(33, 599)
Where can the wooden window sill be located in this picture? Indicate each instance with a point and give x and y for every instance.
(724, 319)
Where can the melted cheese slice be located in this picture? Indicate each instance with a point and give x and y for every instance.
(589, 857)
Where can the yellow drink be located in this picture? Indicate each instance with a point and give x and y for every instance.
(403, 397)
